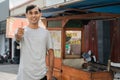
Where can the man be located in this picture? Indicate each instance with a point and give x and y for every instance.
(35, 42)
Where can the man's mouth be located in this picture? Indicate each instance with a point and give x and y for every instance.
(34, 19)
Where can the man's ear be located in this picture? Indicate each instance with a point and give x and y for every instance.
(40, 14)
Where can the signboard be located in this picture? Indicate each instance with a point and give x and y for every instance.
(4, 9)
(13, 23)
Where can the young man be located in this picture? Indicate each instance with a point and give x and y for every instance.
(35, 42)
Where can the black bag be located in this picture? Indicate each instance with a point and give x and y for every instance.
(1, 59)
(54, 78)
(45, 78)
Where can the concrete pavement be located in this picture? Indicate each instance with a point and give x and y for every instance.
(8, 71)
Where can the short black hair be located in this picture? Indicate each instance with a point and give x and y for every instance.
(30, 7)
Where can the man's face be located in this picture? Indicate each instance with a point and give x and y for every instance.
(33, 15)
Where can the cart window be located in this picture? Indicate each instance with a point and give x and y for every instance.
(74, 23)
(54, 24)
(73, 44)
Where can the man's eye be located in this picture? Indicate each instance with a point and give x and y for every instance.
(30, 13)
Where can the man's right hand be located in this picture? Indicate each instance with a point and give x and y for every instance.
(19, 34)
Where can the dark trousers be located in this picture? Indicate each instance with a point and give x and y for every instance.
(44, 78)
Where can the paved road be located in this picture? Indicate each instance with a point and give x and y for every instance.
(8, 71)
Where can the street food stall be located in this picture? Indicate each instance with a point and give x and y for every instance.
(83, 32)
(73, 36)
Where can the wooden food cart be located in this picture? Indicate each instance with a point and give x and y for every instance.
(71, 38)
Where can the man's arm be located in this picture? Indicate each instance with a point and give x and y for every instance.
(50, 63)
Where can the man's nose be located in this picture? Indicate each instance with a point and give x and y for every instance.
(33, 15)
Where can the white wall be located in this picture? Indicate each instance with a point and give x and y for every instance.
(21, 10)
(53, 2)
(42, 4)
(4, 9)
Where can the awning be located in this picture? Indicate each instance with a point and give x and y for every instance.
(104, 6)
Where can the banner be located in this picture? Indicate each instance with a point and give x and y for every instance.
(56, 36)
(14, 22)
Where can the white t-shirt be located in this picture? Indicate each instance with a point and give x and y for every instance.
(34, 46)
